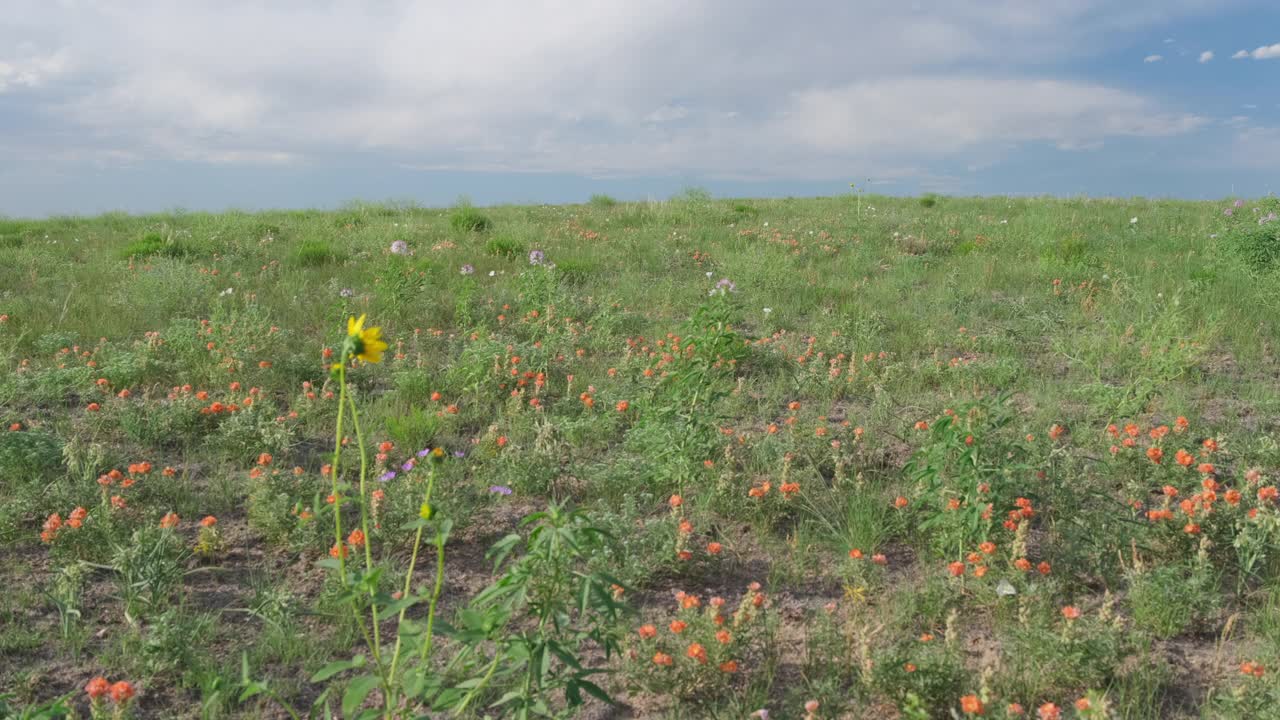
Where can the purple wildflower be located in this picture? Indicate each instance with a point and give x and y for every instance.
(399, 247)
(1238, 203)
(407, 466)
(468, 269)
(536, 257)
(423, 452)
(500, 489)
(1228, 212)
(723, 285)
(388, 475)
(459, 453)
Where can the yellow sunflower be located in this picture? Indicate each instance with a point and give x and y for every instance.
(366, 343)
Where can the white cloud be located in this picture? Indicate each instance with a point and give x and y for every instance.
(1240, 55)
(1256, 147)
(1152, 58)
(584, 85)
(667, 113)
(1266, 52)
(1206, 56)
(32, 71)
(947, 114)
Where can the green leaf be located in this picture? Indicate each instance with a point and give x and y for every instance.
(395, 606)
(356, 692)
(336, 667)
(595, 691)
(513, 695)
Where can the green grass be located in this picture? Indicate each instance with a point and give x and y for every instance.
(851, 321)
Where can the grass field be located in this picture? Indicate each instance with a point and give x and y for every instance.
(829, 458)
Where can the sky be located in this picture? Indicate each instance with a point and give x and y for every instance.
(141, 105)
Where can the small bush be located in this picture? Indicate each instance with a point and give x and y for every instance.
(576, 270)
(315, 253)
(154, 244)
(469, 219)
(694, 195)
(1257, 245)
(1166, 600)
(600, 200)
(929, 200)
(504, 246)
(29, 455)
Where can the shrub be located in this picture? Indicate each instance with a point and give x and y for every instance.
(315, 253)
(469, 219)
(929, 200)
(504, 246)
(1257, 245)
(600, 200)
(154, 244)
(29, 455)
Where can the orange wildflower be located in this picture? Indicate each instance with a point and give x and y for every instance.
(697, 652)
(971, 705)
(97, 688)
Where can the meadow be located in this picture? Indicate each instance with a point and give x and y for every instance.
(848, 457)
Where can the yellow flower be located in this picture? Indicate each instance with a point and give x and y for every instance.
(366, 343)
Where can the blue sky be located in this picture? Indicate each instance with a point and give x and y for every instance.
(152, 105)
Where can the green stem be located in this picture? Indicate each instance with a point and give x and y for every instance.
(408, 576)
(333, 472)
(368, 551)
(435, 597)
(364, 518)
(484, 681)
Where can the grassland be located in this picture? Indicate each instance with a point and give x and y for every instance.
(912, 457)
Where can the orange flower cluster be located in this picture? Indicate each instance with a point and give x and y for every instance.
(55, 524)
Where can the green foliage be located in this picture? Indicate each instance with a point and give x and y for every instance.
(317, 253)
(928, 677)
(1251, 231)
(523, 638)
(30, 456)
(154, 243)
(148, 571)
(970, 470)
(505, 246)
(466, 218)
(1166, 600)
(602, 201)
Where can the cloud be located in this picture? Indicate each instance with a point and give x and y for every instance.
(1240, 55)
(1266, 52)
(948, 114)
(758, 89)
(1256, 147)
(32, 71)
(1206, 56)
(1152, 58)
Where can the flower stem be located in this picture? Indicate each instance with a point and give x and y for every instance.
(408, 576)
(364, 527)
(333, 472)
